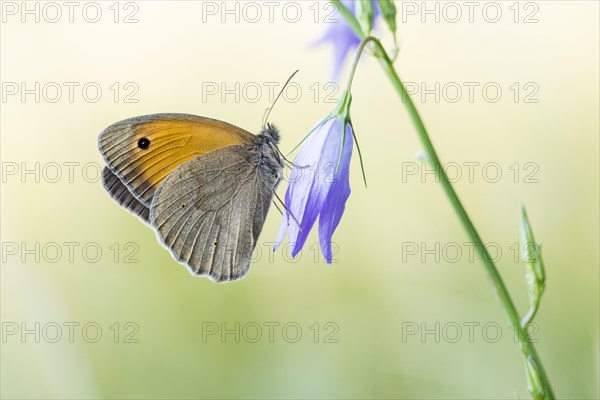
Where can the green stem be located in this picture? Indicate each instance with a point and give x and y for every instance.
(494, 277)
(527, 348)
(532, 359)
(356, 60)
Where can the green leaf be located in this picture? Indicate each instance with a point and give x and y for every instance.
(364, 14)
(388, 11)
(534, 382)
(535, 274)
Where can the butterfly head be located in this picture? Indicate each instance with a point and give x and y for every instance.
(271, 133)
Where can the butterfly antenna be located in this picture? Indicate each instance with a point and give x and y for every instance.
(288, 211)
(266, 117)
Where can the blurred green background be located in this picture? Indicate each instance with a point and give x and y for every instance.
(354, 316)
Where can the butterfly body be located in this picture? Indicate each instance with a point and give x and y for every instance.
(205, 186)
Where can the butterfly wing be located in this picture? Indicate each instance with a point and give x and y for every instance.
(119, 192)
(143, 151)
(209, 212)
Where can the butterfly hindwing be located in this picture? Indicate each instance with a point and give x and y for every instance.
(121, 194)
(210, 211)
(143, 151)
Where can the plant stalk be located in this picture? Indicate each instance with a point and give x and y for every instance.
(498, 286)
(533, 363)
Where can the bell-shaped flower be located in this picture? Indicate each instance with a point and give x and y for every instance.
(319, 185)
(343, 38)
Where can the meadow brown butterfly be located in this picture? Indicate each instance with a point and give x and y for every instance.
(204, 185)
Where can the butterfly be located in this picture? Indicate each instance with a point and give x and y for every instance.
(205, 186)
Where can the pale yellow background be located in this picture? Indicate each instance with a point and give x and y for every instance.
(370, 293)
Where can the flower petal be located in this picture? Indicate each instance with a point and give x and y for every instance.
(334, 204)
(302, 197)
(343, 38)
(306, 204)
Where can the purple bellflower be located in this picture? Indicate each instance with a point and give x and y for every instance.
(319, 184)
(343, 37)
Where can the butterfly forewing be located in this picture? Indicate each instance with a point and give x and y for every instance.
(210, 211)
(143, 151)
